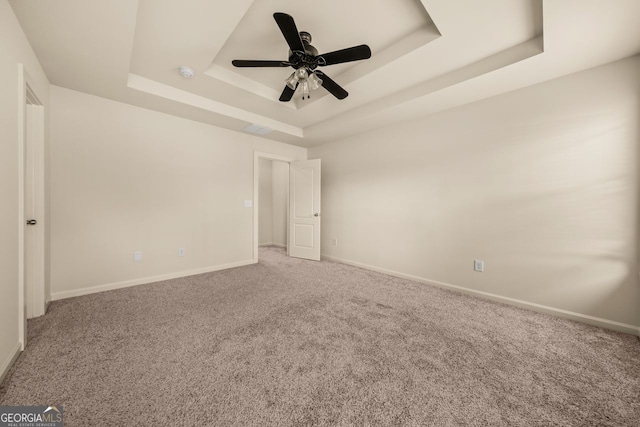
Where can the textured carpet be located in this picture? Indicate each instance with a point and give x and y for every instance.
(294, 342)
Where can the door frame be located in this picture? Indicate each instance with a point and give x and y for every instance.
(257, 155)
(28, 93)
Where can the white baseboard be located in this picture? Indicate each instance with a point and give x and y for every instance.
(280, 245)
(578, 317)
(10, 359)
(135, 282)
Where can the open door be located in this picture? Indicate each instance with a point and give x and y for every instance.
(34, 211)
(304, 209)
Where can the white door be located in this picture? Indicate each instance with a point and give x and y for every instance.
(304, 209)
(34, 233)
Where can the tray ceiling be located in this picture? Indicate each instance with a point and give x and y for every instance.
(427, 55)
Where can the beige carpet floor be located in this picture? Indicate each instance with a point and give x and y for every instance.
(294, 342)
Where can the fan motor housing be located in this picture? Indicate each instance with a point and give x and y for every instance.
(310, 57)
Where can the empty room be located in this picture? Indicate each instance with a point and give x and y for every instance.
(331, 213)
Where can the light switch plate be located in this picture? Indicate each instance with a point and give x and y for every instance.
(247, 203)
(137, 256)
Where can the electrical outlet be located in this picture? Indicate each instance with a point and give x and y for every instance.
(248, 203)
(181, 251)
(334, 241)
(137, 256)
(478, 265)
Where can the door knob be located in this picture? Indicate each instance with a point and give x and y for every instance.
(316, 214)
(31, 222)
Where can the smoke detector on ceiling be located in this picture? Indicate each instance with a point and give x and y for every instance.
(186, 72)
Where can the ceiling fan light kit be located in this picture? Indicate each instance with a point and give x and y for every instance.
(307, 81)
(304, 59)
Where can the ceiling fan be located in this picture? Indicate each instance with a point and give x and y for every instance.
(304, 59)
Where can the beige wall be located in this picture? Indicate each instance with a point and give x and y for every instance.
(126, 179)
(265, 205)
(14, 49)
(274, 202)
(541, 184)
(280, 202)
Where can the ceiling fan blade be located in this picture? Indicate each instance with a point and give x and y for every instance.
(334, 88)
(257, 63)
(355, 53)
(287, 93)
(289, 31)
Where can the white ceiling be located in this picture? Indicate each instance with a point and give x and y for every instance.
(427, 55)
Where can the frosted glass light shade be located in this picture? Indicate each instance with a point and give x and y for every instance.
(305, 89)
(314, 81)
(292, 81)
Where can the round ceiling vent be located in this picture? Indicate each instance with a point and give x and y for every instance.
(186, 72)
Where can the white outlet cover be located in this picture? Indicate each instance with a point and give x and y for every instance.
(248, 203)
(181, 251)
(137, 256)
(478, 265)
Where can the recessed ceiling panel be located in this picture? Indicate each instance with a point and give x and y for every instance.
(333, 25)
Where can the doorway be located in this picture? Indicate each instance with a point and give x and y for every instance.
(302, 196)
(273, 203)
(263, 225)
